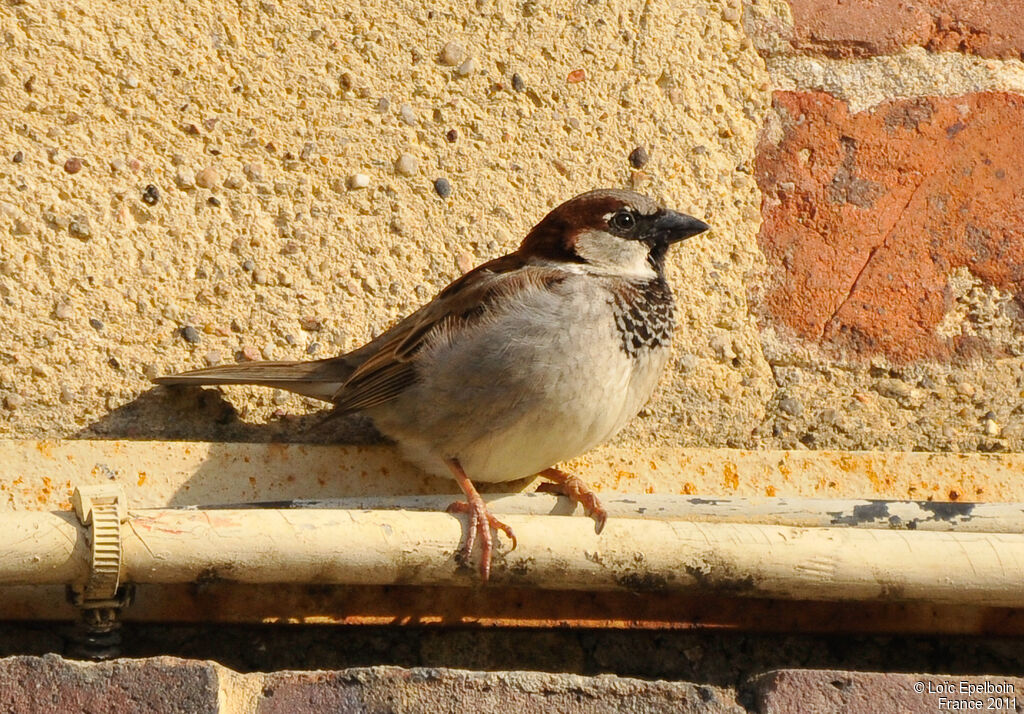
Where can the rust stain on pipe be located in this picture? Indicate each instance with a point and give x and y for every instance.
(221, 602)
(513, 607)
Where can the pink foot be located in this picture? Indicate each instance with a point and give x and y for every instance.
(480, 522)
(576, 491)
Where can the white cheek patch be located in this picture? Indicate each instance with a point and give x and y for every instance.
(607, 253)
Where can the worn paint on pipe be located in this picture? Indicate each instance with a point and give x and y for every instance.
(317, 546)
(389, 547)
(962, 517)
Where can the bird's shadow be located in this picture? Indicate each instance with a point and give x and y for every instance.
(239, 467)
(204, 414)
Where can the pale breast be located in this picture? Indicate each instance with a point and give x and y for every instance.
(545, 381)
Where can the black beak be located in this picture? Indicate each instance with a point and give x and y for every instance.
(671, 227)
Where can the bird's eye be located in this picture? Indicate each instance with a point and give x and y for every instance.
(623, 220)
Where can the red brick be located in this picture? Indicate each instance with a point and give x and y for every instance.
(379, 689)
(865, 216)
(839, 28)
(809, 690)
(161, 685)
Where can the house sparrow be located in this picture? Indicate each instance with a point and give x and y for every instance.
(525, 361)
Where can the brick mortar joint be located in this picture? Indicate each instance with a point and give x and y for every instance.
(865, 83)
(237, 692)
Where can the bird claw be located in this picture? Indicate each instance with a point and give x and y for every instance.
(480, 524)
(573, 488)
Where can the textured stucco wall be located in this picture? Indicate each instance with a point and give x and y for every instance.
(251, 120)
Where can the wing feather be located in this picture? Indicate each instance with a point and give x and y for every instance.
(390, 361)
(319, 379)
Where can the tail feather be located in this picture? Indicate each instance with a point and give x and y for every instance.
(320, 379)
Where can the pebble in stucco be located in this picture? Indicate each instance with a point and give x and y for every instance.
(406, 165)
(190, 334)
(451, 54)
(443, 187)
(407, 114)
(791, 406)
(207, 178)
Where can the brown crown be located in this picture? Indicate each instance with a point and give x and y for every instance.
(554, 238)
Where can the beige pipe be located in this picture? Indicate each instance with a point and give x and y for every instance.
(386, 547)
(42, 548)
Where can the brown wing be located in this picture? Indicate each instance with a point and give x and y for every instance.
(389, 365)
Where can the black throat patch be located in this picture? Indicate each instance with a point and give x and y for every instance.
(644, 314)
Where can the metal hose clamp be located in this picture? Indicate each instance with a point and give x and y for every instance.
(103, 509)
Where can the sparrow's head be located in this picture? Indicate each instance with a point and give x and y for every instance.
(610, 231)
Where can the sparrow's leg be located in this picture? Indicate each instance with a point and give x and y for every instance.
(480, 521)
(576, 491)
